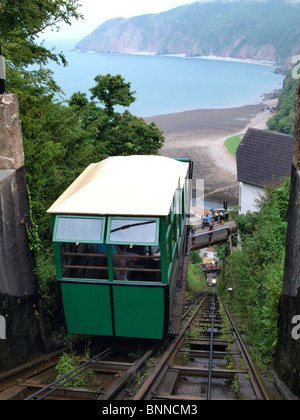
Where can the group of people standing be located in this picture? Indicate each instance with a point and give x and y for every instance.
(209, 218)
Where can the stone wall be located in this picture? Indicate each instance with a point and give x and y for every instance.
(18, 283)
(287, 358)
(17, 277)
(11, 143)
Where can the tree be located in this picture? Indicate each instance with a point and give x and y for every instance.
(115, 133)
(131, 135)
(112, 91)
(21, 22)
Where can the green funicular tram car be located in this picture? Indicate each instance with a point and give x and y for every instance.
(120, 234)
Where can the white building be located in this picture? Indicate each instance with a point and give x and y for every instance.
(262, 157)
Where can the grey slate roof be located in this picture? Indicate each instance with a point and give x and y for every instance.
(263, 156)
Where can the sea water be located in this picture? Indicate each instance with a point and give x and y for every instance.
(168, 84)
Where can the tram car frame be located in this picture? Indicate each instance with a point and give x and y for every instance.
(120, 234)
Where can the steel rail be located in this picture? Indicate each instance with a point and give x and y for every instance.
(15, 375)
(149, 387)
(69, 376)
(194, 304)
(257, 381)
(115, 390)
(211, 346)
(146, 386)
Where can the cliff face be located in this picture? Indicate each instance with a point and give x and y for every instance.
(17, 276)
(287, 358)
(18, 283)
(256, 30)
(19, 303)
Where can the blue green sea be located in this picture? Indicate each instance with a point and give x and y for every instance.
(168, 84)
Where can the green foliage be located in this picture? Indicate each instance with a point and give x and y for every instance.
(196, 279)
(47, 284)
(21, 22)
(284, 119)
(112, 91)
(255, 270)
(67, 363)
(195, 258)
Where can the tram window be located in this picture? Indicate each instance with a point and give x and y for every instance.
(83, 261)
(137, 263)
(133, 231)
(71, 229)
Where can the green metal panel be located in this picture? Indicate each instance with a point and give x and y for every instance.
(57, 259)
(163, 251)
(87, 308)
(110, 263)
(139, 311)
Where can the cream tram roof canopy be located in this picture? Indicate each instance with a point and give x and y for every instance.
(124, 185)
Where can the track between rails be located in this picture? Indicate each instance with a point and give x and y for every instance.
(206, 361)
(113, 370)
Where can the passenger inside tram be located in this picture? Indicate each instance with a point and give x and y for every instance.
(130, 262)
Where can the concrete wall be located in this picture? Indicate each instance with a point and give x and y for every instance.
(287, 358)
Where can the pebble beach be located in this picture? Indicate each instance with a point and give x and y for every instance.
(200, 135)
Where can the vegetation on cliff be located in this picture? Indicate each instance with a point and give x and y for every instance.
(284, 119)
(255, 269)
(267, 30)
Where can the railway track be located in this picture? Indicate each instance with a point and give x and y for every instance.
(113, 370)
(206, 361)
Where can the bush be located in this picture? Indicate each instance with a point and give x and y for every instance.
(255, 269)
(196, 280)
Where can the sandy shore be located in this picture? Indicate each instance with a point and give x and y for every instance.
(200, 135)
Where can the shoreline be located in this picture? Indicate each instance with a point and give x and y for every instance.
(200, 135)
(182, 55)
(258, 108)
